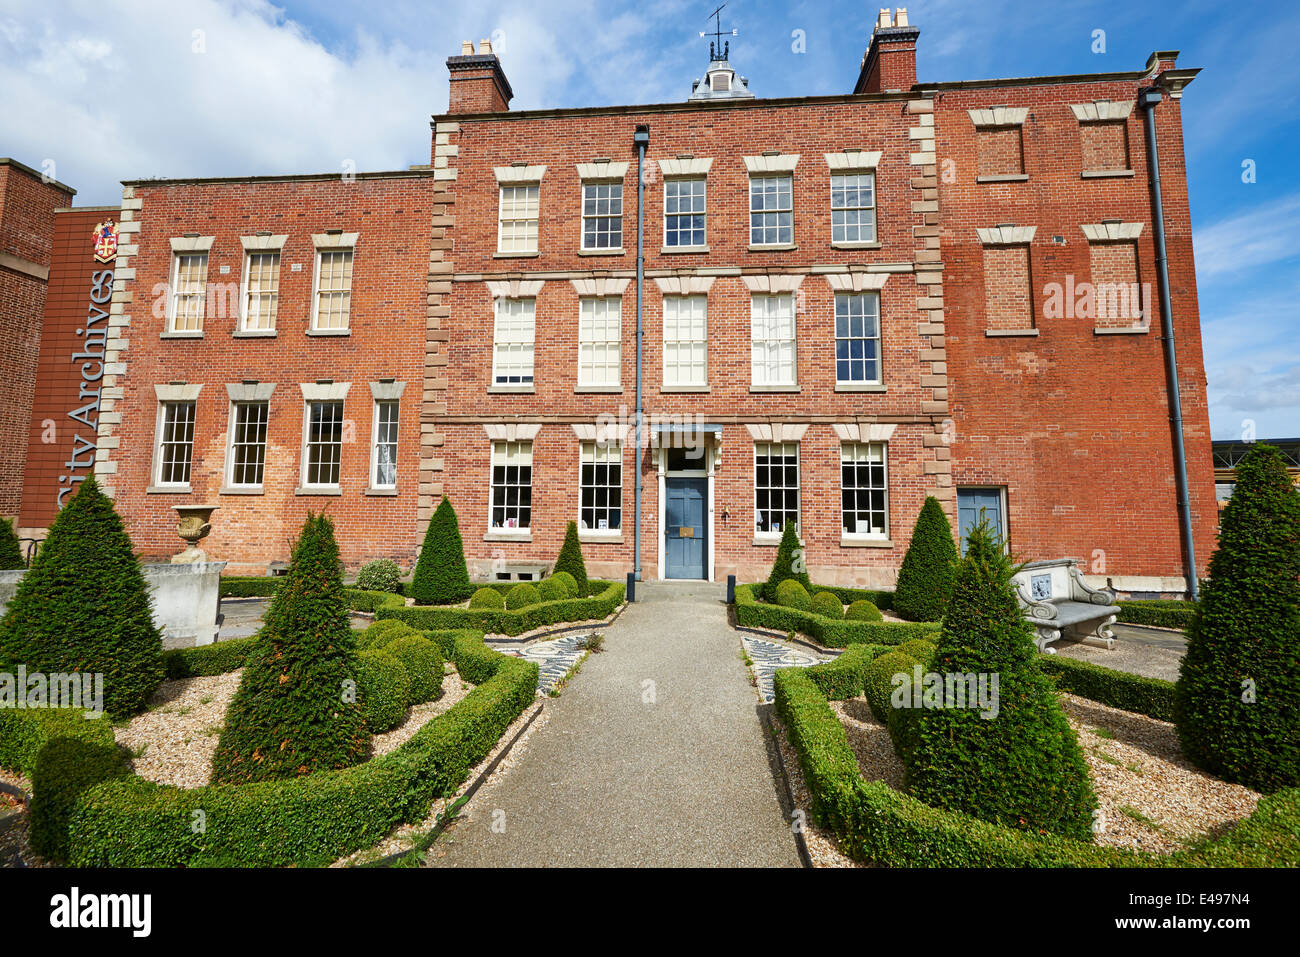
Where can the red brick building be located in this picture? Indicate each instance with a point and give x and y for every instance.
(847, 303)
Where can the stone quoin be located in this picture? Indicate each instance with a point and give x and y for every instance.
(850, 302)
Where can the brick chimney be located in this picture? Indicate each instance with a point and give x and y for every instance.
(890, 63)
(478, 84)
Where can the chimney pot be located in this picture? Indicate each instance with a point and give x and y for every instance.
(900, 19)
(890, 63)
(484, 46)
(885, 20)
(466, 48)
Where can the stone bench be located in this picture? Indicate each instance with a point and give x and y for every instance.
(1057, 601)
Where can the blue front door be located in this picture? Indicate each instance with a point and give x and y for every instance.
(685, 528)
(976, 503)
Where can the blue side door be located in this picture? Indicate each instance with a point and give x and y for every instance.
(974, 503)
(685, 531)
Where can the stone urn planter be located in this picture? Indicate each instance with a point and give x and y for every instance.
(192, 525)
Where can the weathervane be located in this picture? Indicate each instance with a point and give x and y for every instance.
(715, 45)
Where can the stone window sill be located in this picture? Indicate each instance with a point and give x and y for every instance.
(1009, 333)
(381, 492)
(511, 389)
(597, 537)
(870, 245)
(196, 334)
(860, 387)
(254, 333)
(329, 332)
(242, 490)
(675, 250)
(671, 389)
(319, 490)
(1122, 331)
(1004, 178)
(610, 389)
(500, 255)
(620, 251)
(767, 539)
(502, 535)
(775, 388)
(168, 489)
(1106, 173)
(772, 247)
(854, 541)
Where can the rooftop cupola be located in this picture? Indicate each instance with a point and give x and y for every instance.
(720, 82)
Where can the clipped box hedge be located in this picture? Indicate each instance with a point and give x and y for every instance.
(308, 821)
(880, 825)
(507, 622)
(830, 632)
(1160, 613)
(1117, 689)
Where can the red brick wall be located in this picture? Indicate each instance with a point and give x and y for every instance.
(390, 268)
(1000, 152)
(1074, 424)
(59, 382)
(26, 238)
(1007, 290)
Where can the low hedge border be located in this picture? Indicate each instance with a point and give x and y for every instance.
(1116, 689)
(877, 824)
(1158, 613)
(506, 622)
(829, 632)
(308, 821)
(847, 596)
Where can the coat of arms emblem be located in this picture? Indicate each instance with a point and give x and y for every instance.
(105, 237)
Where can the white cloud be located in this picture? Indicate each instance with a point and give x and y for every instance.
(1266, 234)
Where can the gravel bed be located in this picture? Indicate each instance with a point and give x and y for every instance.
(870, 741)
(174, 740)
(1151, 797)
(454, 690)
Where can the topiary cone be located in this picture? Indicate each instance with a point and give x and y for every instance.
(297, 710)
(789, 563)
(926, 576)
(83, 606)
(570, 559)
(1237, 701)
(441, 577)
(11, 553)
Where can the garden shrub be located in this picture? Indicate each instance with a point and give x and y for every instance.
(441, 577)
(1159, 613)
(920, 649)
(825, 603)
(206, 660)
(789, 564)
(568, 581)
(384, 689)
(845, 676)
(64, 768)
(487, 598)
(551, 590)
(791, 594)
(832, 633)
(380, 633)
(1022, 768)
(847, 596)
(863, 610)
(1237, 700)
(925, 579)
(83, 606)
(521, 596)
(1116, 689)
(605, 601)
(289, 716)
(570, 561)
(383, 574)
(878, 680)
(11, 552)
(422, 660)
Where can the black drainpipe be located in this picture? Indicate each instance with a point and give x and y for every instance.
(642, 139)
(1147, 99)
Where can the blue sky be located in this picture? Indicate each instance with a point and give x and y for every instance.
(100, 91)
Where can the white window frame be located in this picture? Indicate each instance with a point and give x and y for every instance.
(875, 223)
(678, 180)
(377, 405)
(845, 534)
(173, 299)
(768, 534)
(753, 178)
(612, 457)
(503, 446)
(159, 441)
(233, 421)
(527, 343)
(767, 342)
(598, 184)
(244, 292)
(535, 219)
(306, 444)
(612, 369)
(879, 360)
(676, 341)
(321, 252)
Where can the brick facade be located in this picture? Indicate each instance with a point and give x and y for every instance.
(987, 197)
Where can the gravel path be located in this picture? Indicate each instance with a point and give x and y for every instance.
(1151, 652)
(654, 756)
